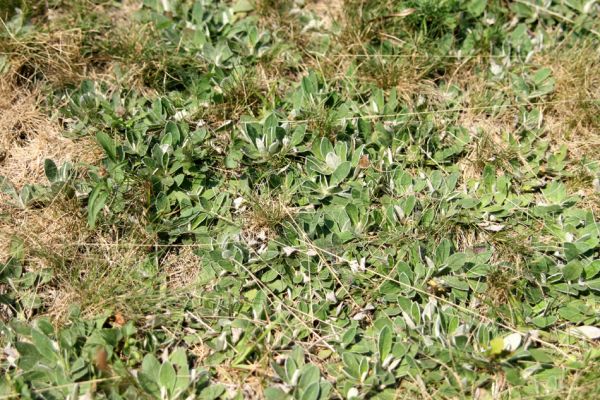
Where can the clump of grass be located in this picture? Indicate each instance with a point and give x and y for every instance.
(322, 121)
(181, 267)
(575, 120)
(267, 212)
(404, 74)
(52, 56)
(241, 94)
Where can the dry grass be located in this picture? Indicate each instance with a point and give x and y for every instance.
(262, 215)
(47, 235)
(51, 229)
(86, 266)
(28, 137)
(89, 269)
(488, 144)
(113, 51)
(52, 234)
(52, 56)
(250, 380)
(488, 129)
(575, 124)
(328, 12)
(181, 268)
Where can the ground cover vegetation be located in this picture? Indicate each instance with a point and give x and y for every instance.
(299, 199)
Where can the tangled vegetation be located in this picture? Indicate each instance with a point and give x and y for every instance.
(300, 199)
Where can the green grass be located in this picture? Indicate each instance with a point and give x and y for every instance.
(400, 201)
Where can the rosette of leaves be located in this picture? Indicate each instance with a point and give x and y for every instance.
(301, 381)
(172, 378)
(177, 169)
(530, 87)
(330, 167)
(268, 141)
(342, 223)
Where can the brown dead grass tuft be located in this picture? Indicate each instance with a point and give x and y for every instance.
(406, 75)
(28, 137)
(574, 124)
(487, 144)
(328, 11)
(51, 229)
(248, 380)
(53, 56)
(48, 235)
(90, 269)
(181, 267)
(488, 130)
(262, 215)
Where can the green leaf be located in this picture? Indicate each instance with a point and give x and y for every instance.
(384, 342)
(290, 368)
(273, 393)
(309, 375)
(456, 283)
(8, 188)
(162, 203)
(179, 359)
(544, 321)
(541, 75)
(167, 377)
(541, 356)
(571, 251)
(351, 364)
(213, 392)
(594, 284)
(348, 336)
(108, 145)
(572, 271)
(95, 204)
(476, 7)
(44, 345)
(456, 261)
(340, 173)
(51, 170)
(311, 392)
(149, 384)
(151, 366)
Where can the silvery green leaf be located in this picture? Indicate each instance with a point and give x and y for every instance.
(512, 342)
(332, 160)
(587, 332)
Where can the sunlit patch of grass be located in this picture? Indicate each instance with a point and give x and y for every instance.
(575, 121)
